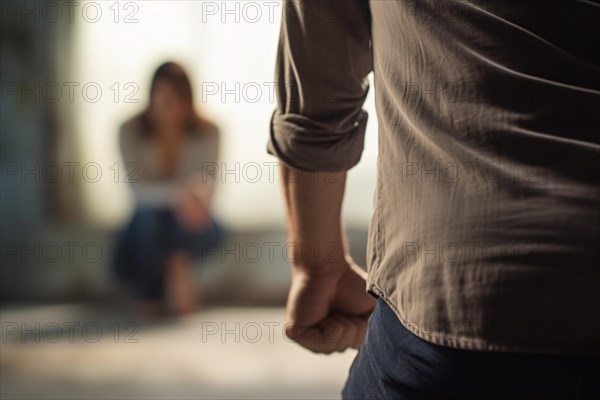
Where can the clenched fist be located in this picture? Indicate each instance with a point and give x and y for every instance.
(327, 309)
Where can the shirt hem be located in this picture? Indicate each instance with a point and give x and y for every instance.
(440, 338)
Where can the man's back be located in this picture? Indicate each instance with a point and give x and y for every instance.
(485, 232)
(488, 200)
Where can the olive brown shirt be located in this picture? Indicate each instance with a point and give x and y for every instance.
(485, 234)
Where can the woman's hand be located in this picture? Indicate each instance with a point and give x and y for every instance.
(191, 210)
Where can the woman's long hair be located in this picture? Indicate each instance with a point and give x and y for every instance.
(175, 75)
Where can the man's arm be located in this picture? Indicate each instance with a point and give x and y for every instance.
(317, 131)
(328, 307)
(314, 202)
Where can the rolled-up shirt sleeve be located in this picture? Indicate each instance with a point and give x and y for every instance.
(323, 60)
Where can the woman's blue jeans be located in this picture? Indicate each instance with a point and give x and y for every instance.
(146, 243)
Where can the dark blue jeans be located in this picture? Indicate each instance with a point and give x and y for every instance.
(393, 363)
(146, 243)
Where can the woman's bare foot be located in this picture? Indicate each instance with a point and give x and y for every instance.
(182, 294)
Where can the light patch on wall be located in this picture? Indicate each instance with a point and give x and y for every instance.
(230, 55)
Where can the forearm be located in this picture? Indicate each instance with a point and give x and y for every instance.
(314, 204)
(202, 188)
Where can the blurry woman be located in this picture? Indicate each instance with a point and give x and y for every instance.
(168, 150)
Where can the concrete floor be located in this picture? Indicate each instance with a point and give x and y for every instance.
(233, 353)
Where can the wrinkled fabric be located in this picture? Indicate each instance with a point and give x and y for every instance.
(485, 234)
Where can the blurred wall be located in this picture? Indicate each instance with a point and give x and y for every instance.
(71, 74)
(34, 131)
